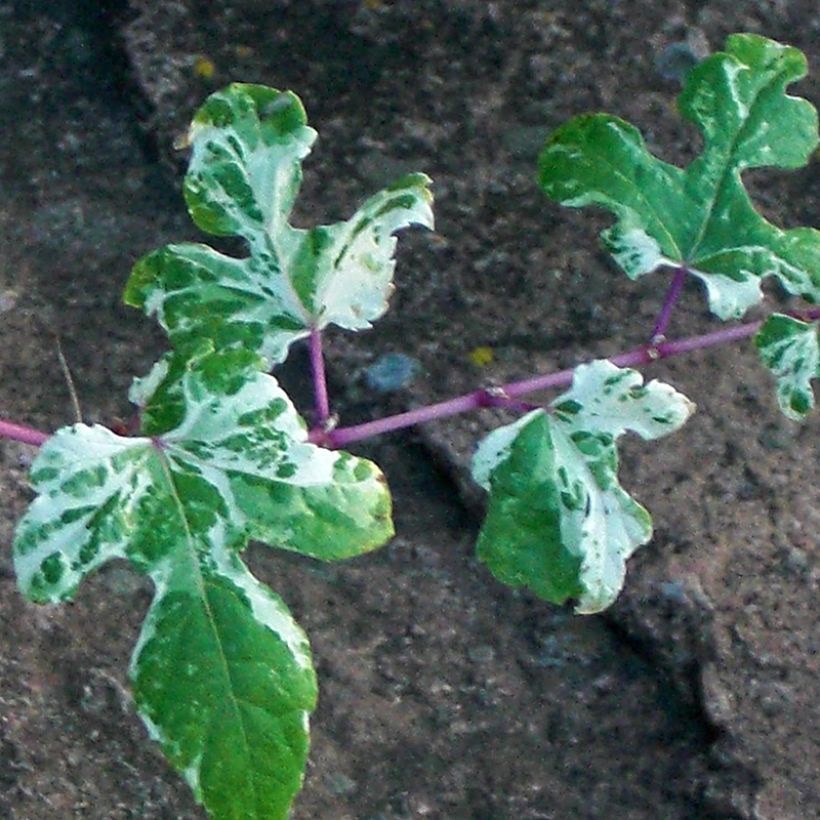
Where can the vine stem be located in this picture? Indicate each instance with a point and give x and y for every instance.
(26, 435)
(645, 354)
(484, 397)
(317, 364)
(672, 295)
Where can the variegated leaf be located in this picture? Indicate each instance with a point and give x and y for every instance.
(791, 350)
(701, 217)
(222, 674)
(558, 521)
(248, 142)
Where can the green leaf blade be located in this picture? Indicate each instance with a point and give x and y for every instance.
(558, 521)
(701, 218)
(738, 100)
(223, 678)
(91, 483)
(325, 504)
(346, 276)
(520, 540)
(248, 144)
(198, 293)
(598, 159)
(339, 519)
(222, 673)
(791, 350)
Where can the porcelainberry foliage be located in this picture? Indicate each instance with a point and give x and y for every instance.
(221, 673)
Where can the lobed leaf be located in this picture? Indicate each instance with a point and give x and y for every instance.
(248, 142)
(791, 350)
(223, 679)
(558, 521)
(222, 674)
(701, 217)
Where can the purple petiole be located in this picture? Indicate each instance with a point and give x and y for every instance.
(317, 364)
(672, 295)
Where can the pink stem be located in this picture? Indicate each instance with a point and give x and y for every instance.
(500, 397)
(26, 435)
(478, 398)
(669, 303)
(640, 355)
(317, 363)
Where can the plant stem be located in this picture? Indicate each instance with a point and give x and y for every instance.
(640, 355)
(479, 398)
(672, 295)
(484, 397)
(317, 363)
(497, 397)
(26, 435)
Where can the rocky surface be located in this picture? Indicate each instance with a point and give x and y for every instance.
(443, 694)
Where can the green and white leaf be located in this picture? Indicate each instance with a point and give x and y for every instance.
(701, 217)
(791, 350)
(558, 521)
(222, 674)
(248, 142)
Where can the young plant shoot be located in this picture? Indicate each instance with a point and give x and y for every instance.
(221, 673)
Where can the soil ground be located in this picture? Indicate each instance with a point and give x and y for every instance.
(443, 694)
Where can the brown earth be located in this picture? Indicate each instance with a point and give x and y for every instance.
(443, 694)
